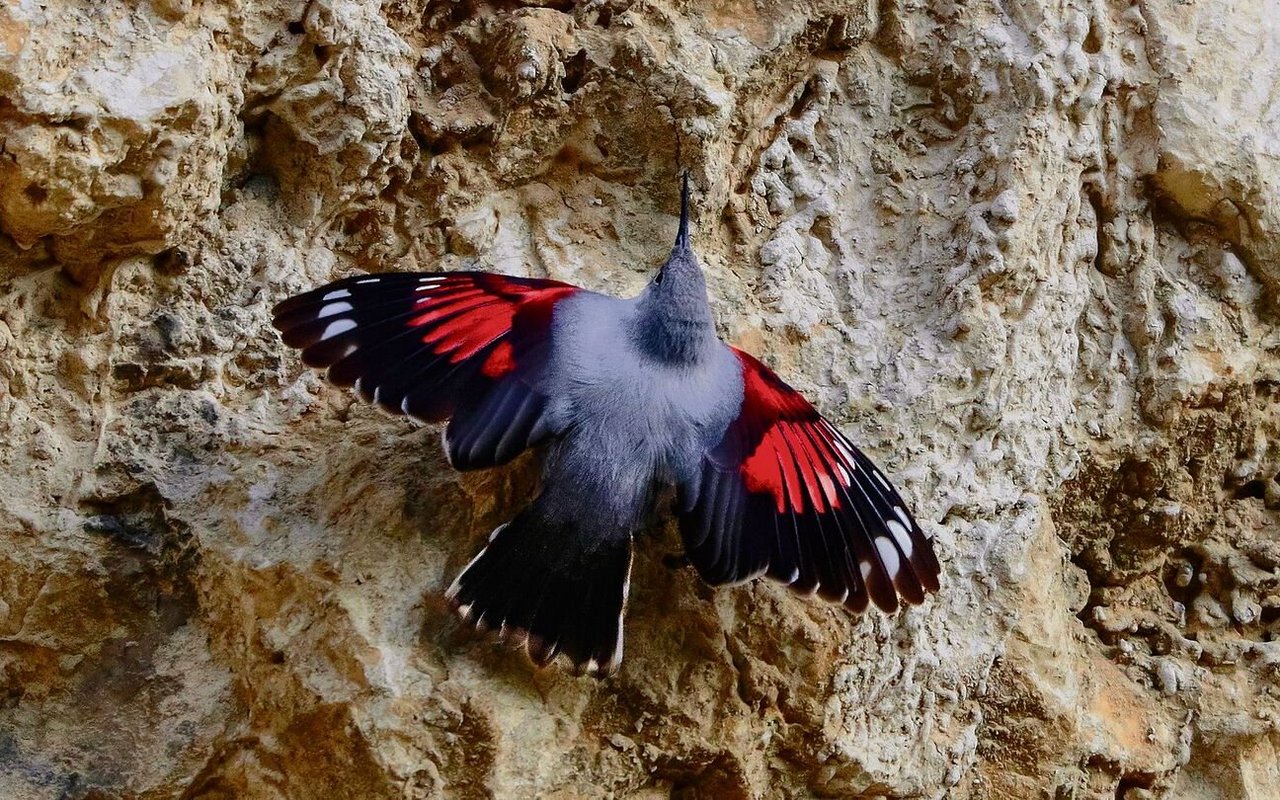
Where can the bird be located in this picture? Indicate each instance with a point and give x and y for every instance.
(624, 398)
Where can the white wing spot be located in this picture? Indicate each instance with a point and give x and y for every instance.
(348, 350)
(337, 327)
(865, 568)
(846, 452)
(454, 587)
(828, 488)
(888, 554)
(333, 308)
(444, 443)
(615, 658)
(363, 281)
(336, 294)
(845, 477)
(880, 478)
(901, 536)
(902, 515)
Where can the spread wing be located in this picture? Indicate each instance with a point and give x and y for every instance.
(465, 345)
(785, 494)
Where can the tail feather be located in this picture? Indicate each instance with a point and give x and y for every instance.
(545, 585)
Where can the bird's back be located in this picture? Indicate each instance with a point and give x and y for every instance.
(631, 420)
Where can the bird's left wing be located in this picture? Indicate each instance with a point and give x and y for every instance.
(466, 345)
(786, 495)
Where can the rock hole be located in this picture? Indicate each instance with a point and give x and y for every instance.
(575, 69)
(360, 221)
(459, 12)
(323, 52)
(1085, 614)
(261, 185)
(137, 520)
(173, 261)
(419, 135)
(566, 156)
(720, 776)
(802, 102)
(838, 36)
(1195, 468)
(296, 28)
(1093, 39)
(1094, 193)
(605, 18)
(1254, 488)
(1182, 577)
(36, 193)
(121, 529)
(1134, 780)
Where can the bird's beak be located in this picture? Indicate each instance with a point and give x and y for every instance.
(682, 237)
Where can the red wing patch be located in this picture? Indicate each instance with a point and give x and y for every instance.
(432, 344)
(785, 494)
(460, 323)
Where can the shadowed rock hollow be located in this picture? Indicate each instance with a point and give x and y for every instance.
(1027, 254)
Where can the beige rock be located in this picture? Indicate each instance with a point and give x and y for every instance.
(1028, 255)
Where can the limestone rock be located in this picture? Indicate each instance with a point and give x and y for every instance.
(1027, 255)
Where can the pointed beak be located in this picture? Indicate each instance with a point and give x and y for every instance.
(682, 238)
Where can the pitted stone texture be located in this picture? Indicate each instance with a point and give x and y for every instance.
(1025, 254)
(116, 132)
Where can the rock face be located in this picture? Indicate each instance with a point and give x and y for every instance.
(1027, 254)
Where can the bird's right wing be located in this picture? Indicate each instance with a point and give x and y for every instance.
(466, 345)
(786, 495)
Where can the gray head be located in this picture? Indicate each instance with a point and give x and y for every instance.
(679, 282)
(675, 317)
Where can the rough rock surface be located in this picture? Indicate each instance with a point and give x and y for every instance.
(1027, 253)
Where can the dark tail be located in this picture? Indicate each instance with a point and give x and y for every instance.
(546, 584)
